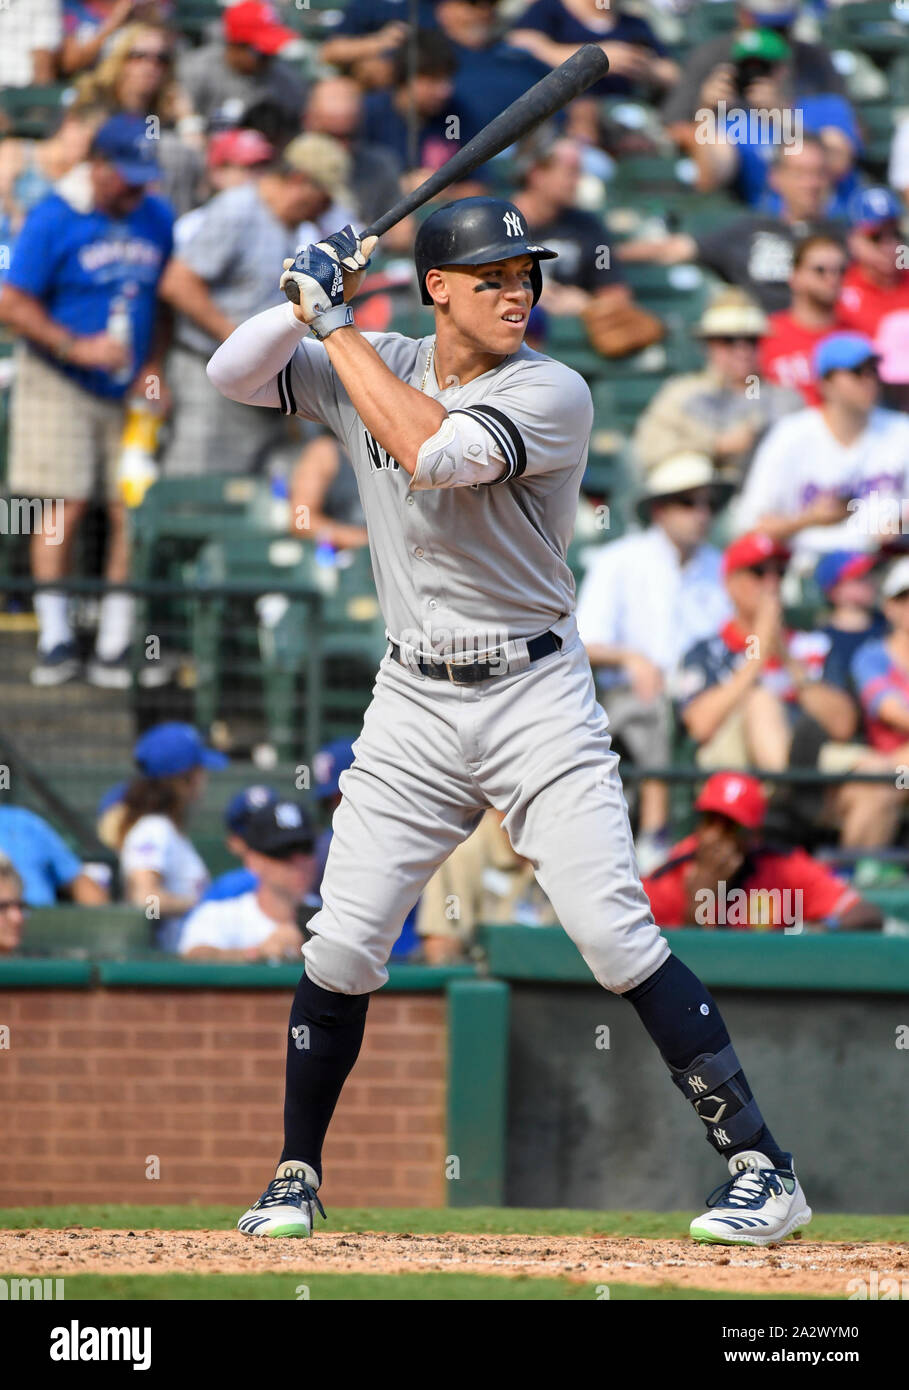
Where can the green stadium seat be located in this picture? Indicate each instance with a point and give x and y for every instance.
(876, 120)
(178, 515)
(706, 21)
(30, 112)
(880, 27)
(67, 929)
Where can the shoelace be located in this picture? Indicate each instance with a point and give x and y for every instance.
(290, 1192)
(749, 1189)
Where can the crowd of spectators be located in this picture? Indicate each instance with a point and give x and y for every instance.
(769, 466)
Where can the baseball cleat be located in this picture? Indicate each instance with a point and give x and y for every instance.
(758, 1205)
(288, 1205)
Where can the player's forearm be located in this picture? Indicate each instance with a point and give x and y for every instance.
(398, 417)
(833, 709)
(894, 712)
(185, 290)
(706, 713)
(26, 316)
(246, 364)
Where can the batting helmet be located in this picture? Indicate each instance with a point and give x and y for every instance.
(475, 231)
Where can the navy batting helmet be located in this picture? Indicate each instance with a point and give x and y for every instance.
(475, 231)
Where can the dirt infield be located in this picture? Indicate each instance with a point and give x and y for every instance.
(797, 1266)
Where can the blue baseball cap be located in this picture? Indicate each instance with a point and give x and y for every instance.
(169, 749)
(245, 804)
(328, 764)
(838, 565)
(124, 142)
(772, 14)
(842, 352)
(874, 207)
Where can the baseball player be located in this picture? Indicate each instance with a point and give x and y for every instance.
(469, 449)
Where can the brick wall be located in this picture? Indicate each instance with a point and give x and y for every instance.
(94, 1081)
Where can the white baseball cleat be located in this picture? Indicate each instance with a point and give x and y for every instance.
(758, 1205)
(288, 1205)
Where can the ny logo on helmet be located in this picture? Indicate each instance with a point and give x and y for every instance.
(513, 224)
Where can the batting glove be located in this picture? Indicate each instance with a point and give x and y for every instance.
(348, 248)
(314, 279)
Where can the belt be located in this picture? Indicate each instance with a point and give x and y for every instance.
(472, 672)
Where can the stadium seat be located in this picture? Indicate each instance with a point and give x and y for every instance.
(706, 21)
(30, 112)
(268, 639)
(871, 26)
(68, 929)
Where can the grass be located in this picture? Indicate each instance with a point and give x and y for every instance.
(437, 1221)
(430, 1287)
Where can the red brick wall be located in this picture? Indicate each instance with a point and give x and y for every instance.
(96, 1080)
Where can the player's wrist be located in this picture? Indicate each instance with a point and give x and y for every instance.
(323, 325)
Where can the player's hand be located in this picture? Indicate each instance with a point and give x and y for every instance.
(283, 941)
(768, 626)
(314, 282)
(99, 350)
(826, 510)
(353, 252)
(646, 678)
(718, 85)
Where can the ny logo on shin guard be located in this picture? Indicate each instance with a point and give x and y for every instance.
(721, 1136)
(696, 1084)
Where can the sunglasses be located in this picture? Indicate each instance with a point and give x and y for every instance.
(151, 55)
(901, 597)
(13, 904)
(736, 340)
(770, 567)
(888, 232)
(692, 500)
(866, 369)
(836, 271)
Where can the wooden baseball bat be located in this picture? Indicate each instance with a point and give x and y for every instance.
(544, 98)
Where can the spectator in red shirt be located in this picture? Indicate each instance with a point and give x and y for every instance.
(743, 692)
(875, 298)
(785, 354)
(726, 875)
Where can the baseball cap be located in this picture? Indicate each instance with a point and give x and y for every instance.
(838, 565)
(752, 549)
(123, 141)
(687, 471)
(256, 25)
(241, 147)
(842, 351)
(169, 749)
(736, 795)
(761, 43)
(328, 764)
(324, 160)
(772, 14)
(245, 804)
(896, 580)
(732, 315)
(874, 207)
(279, 829)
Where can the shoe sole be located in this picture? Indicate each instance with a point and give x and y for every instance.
(59, 676)
(800, 1219)
(279, 1231)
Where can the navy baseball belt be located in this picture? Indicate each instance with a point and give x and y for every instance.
(472, 672)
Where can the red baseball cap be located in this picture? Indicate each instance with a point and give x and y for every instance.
(736, 795)
(752, 550)
(255, 24)
(242, 147)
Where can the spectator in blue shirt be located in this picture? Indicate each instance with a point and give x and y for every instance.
(82, 295)
(552, 30)
(492, 72)
(241, 808)
(45, 863)
(385, 114)
(370, 31)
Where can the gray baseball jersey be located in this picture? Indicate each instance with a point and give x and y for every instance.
(465, 566)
